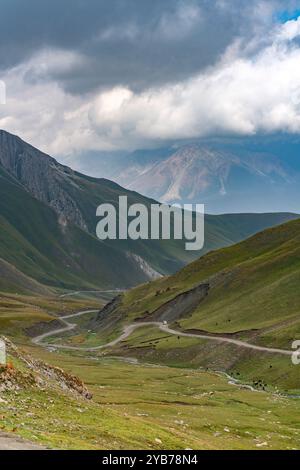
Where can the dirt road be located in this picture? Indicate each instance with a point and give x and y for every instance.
(128, 330)
(11, 442)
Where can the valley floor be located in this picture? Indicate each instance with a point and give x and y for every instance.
(140, 406)
(148, 398)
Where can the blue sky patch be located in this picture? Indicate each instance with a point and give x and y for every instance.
(285, 16)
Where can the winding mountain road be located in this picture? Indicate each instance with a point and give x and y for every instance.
(69, 326)
(128, 330)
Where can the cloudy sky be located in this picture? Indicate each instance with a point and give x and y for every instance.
(86, 75)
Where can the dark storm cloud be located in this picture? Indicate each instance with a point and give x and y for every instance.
(136, 43)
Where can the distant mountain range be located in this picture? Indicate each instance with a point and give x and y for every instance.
(48, 222)
(242, 175)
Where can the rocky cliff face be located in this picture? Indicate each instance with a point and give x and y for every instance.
(38, 374)
(42, 176)
(181, 306)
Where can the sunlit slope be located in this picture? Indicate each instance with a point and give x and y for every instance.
(254, 285)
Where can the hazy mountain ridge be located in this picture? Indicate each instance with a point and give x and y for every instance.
(194, 171)
(236, 176)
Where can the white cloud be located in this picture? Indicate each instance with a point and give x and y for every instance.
(243, 94)
(40, 112)
(289, 30)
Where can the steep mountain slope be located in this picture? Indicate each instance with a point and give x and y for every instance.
(48, 221)
(11, 279)
(33, 240)
(228, 176)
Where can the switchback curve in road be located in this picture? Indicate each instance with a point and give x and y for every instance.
(128, 330)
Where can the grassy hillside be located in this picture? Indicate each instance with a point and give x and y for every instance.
(19, 313)
(253, 284)
(13, 280)
(137, 406)
(254, 295)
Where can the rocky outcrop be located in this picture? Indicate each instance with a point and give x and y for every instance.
(151, 274)
(36, 373)
(108, 316)
(42, 176)
(181, 306)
